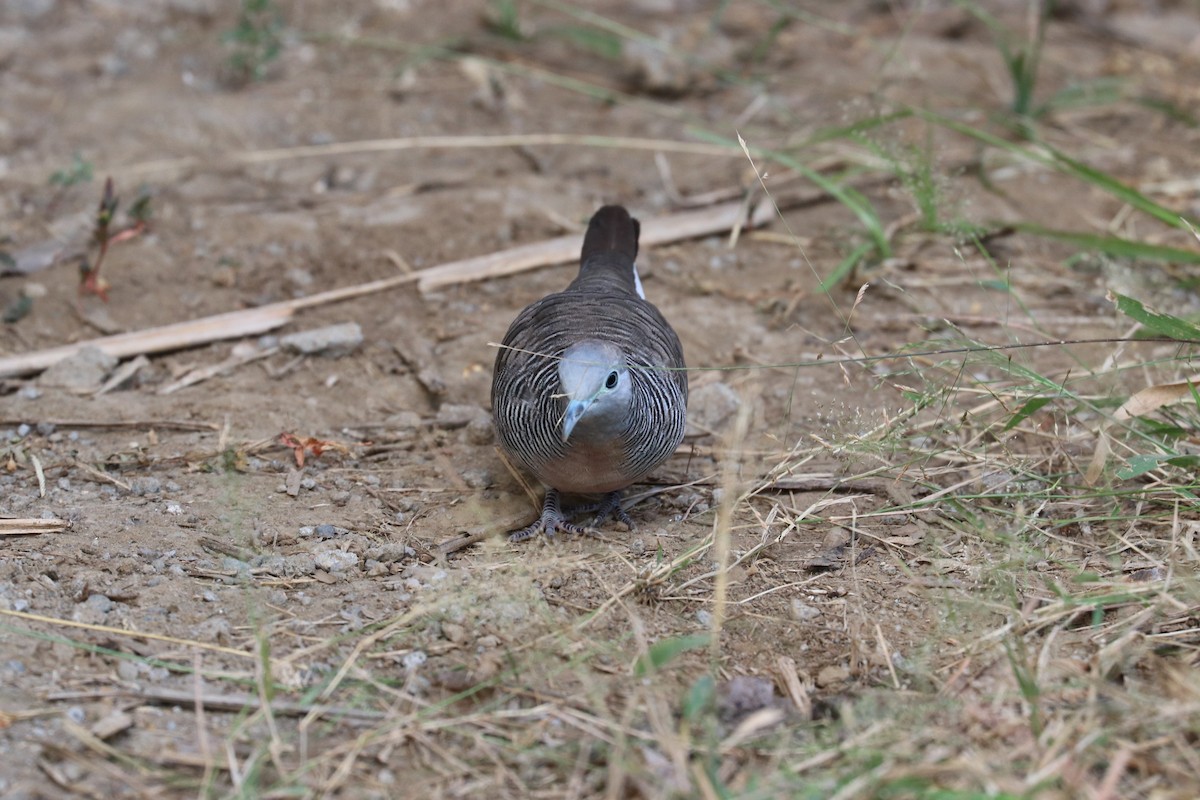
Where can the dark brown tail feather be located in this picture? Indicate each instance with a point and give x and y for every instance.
(611, 230)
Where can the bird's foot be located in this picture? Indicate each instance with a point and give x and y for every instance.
(551, 521)
(610, 506)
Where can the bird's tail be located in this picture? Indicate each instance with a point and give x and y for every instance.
(611, 231)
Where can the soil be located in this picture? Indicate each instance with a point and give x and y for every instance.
(190, 522)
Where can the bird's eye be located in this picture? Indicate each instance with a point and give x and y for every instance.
(611, 381)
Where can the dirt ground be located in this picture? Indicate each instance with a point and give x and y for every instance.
(246, 578)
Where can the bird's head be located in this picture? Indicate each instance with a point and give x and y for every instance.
(595, 381)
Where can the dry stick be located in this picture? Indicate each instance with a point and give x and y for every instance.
(249, 322)
(470, 536)
(660, 230)
(25, 527)
(181, 425)
(235, 702)
(231, 325)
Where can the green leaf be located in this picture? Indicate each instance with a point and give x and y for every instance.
(665, 651)
(1139, 465)
(17, 309)
(1030, 407)
(1156, 322)
(699, 698)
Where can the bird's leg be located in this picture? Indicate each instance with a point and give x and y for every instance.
(551, 520)
(610, 506)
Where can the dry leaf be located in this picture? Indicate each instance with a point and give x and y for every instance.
(1141, 403)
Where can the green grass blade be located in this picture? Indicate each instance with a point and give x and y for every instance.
(1156, 322)
(1113, 245)
(1117, 189)
(1030, 407)
(846, 266)
(845, 195)
(1065, 164)
(663, 652)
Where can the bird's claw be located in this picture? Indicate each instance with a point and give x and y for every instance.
(553, 520)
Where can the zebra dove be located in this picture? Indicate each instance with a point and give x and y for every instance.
(589, 392)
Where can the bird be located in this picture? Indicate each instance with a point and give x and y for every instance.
(589, 391)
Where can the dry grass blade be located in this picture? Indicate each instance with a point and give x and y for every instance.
(120, 632)
(231, 701)
(176, 165)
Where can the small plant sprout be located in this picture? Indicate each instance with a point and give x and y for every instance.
(104, 237)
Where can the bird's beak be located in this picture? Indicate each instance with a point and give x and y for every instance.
(575, 410)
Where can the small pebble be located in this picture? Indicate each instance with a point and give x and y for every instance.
(804, 612)
(334, 341)
(477, 478)
(452, 416)
(145, 486)
(327, 531)
(100, 602)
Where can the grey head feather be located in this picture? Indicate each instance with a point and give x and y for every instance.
(594, 377)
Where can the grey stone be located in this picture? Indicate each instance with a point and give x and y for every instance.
(30, 10)
(335, 560)
(333, 341)
(144, 486)
(710, 406)
(80, 373)
(327, 531)
(457, 416)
